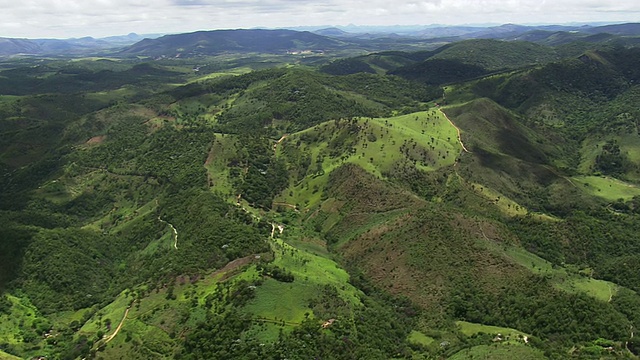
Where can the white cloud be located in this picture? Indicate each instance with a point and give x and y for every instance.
(67, 18)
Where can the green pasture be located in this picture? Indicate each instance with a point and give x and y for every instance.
(506, 205)
(214, 75)
(469, 329)
(223, 149)
(11, 328)
(283, 305)
(599, 289)
(607, 188)
(629, 144)
(5, 356)
(568, 280)
(499, 352)
(416, 337)
(22, 328)
(114, 312)
(112, 95)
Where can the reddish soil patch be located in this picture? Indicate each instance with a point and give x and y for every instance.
(228, 270)
(209, 157)
(96, 140)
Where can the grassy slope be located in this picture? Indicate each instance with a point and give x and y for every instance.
(608, 188)
(499, 353)
(373, 144)
(5, 356)
(469, 329)
(147, 328)
(570, 281)
(289, 302)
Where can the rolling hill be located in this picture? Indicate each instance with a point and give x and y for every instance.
(235, 211)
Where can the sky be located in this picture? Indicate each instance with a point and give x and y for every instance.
(100, 18)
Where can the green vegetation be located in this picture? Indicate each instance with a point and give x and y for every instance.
(469, 329)
(610, 189)
(248, 206)
(499, 352)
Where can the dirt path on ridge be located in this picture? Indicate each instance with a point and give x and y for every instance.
(126, 312)
(275, 146)
(457, 129)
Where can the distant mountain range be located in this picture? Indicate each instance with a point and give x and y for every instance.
(207, 43)
(79, 46)
(242, 40)
(505, 32)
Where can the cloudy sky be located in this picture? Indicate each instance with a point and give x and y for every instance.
(98, 18)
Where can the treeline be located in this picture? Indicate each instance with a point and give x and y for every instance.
(535, 307)
(604, 241)
(72, 79)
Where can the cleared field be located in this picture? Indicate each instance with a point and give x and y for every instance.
(499, 352)
(599, 289)
(562, 278)
(506, 205)
(419, 338)
(469, 329)
(222, 150)
(281, 305)
(5, 356)
(607, 188)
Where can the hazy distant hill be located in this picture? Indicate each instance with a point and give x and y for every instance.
(220, 41)
(504, 32)
(84, 45)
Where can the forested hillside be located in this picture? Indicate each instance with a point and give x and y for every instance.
(481, 200)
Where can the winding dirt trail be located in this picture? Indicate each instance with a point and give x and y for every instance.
(611, 296)
(457, 129)
(287, 205)
(175, 232)
(275, 146)
(126, 312)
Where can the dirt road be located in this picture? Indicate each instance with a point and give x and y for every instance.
(457, 129)
(119, 326)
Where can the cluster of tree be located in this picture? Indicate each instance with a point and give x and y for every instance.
(210, 233)
(611, 161)
(603, 241)
(275, 272)
(440, 71)
(69, 269)
(347, 67)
